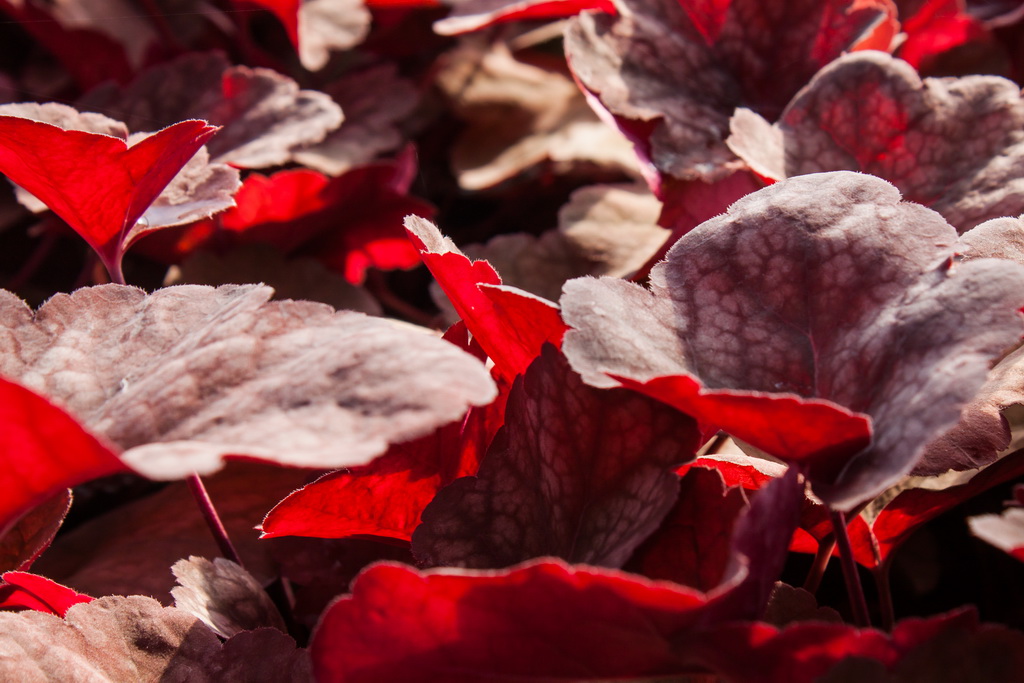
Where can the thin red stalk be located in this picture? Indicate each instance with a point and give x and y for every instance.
(821, 560)
(858, 603)
(34, 261)
(881, 574)
(220, 534)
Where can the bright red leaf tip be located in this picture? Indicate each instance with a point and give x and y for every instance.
(473, 15)
(823, 296)
(43, 450)
(21, 590)
(509, 324)
(98, 184)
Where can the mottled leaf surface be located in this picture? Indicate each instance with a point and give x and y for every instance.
(798, 303)
(579, 473)
(262, 114)
(187, 375)
(224, 596)
(121, 639)
(954, 144)
(673, 72)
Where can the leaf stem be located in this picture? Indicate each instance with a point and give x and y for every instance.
(220, 533)
(858, 603)
(34, 261)
(821, 560)
(881, 574)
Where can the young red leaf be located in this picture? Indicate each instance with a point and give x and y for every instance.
(542, 621)
(673, 72)
(21, 590)
(262, 114)
(745, 314)
(510, 326)
(473, 15)
(43, 452)
(99, 184)
(579, 473)
(692, 546)
(387, 496)
(907, 130)
(189, 375)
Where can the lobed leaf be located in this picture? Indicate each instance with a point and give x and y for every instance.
(188, 375)
(845, 309)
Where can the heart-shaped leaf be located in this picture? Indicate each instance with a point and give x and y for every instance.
(822, 296)
(99, 184)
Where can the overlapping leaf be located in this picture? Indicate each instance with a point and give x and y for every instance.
(387, 496)
(511, 326)
(262, 114)
(579, 473)
(120, 639)
(816, 329)
(672, 73)
(956, 145)
(101, 185)
(185, 376)
(473, 15)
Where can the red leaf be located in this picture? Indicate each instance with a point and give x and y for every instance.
(287, 12)
(792, 304)
(22, 590)
(386, 497)
(815, 430)
(97, 183)
(350, 223)
(479, 14)
(906, 131)
(679, 68)
(936, 27)
(43, 450)
(952, 647)
(579, 473)
(692, 546)
(510, 325)
(536, 622)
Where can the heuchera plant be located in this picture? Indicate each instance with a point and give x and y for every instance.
(736, 394)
